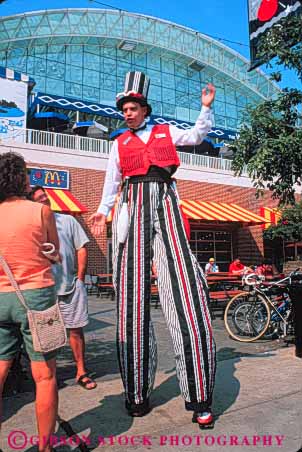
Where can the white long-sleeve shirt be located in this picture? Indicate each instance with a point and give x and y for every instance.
(188, 137)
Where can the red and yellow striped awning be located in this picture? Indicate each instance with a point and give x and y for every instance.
(64, 201)
(272, 216)
(219, 211)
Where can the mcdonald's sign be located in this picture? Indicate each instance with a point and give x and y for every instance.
(49, 178)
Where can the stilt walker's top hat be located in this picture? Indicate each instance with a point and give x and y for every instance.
(135, 90)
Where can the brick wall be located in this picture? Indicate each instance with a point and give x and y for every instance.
(87, 185)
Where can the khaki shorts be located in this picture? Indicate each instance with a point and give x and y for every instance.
(14, 324)
(74, 306)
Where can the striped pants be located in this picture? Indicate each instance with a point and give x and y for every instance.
(157, 231)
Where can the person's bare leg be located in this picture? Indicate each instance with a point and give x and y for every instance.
(44, 375)
(4, 368)
(77, 344)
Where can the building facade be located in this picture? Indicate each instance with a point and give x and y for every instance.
(78, 59)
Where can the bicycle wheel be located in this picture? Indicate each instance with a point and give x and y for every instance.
(247, 317)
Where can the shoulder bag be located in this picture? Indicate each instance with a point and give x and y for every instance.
(47, 327)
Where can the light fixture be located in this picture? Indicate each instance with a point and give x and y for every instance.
(127, 45)
(196, 65)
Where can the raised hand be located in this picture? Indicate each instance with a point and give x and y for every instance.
(98, 221)
(208, 95)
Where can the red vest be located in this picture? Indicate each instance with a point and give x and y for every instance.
(136, 157)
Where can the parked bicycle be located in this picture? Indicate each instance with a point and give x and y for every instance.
(263, 311)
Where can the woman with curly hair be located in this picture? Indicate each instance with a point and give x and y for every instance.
(24, 227)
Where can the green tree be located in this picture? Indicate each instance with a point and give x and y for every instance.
(289, 227)
(270, 142)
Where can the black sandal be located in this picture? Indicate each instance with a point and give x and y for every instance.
(89, 380)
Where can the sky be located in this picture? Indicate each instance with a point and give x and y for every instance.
(224, 20)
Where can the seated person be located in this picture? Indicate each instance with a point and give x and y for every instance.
(211, 266)
(266, 268)
(237, 267)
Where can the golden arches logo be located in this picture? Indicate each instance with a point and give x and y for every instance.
(52, 177)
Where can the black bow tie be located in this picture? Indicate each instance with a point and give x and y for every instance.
(140, 128)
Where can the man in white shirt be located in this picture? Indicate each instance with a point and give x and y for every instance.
(69, 278)
(144, 158)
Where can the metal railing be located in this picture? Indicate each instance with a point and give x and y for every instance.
(77, 143)
(62, 140)
(205, 161)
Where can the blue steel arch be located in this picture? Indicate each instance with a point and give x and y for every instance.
(90, 29)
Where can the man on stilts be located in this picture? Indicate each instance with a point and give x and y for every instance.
(144, 159)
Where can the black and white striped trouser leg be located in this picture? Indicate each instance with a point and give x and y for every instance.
(136, 344)
(183, 296)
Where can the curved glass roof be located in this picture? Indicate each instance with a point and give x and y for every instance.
(97, 27)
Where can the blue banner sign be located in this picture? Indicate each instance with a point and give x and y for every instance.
(49, 178)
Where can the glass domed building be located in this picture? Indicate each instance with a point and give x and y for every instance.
(79, 57)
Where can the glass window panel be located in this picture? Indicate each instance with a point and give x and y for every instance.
(205, 246)
(56, 70)
(204, 235)
(193, 75)
(120, 82)
(153, 61)
(72, 89)
(182, 100)
(220, 95)
(183, 113)
(194, 87)
(168, 81)
(19, 64)
(73, 74)
(109, 83)
(124, 55)
(40, 66)
(181, 84)
(155, 76)
(231, 123)
(109, 66)
(91, 61)
(55, 53)
(155, 93)
(15, 53)
(30, 65)
(220, 121)
(223, 236)
(109, 96)
(40, 83)
(219, 108)
(194, 115)
(181, 70)
(3, 58)
(156, 108)
(168, 95)
(168, 110)
(91, 78)
(109, 51)
(195, 102)
(123, 68)
(92, 49)
(140, 59)
(231, 111)
(91, 93)
(54, 86)
(223, 256)
(74, 55)
(241, 100)
(167, 66)
(221, 246)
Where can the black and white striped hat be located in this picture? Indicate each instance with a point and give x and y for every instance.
(135, 90)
